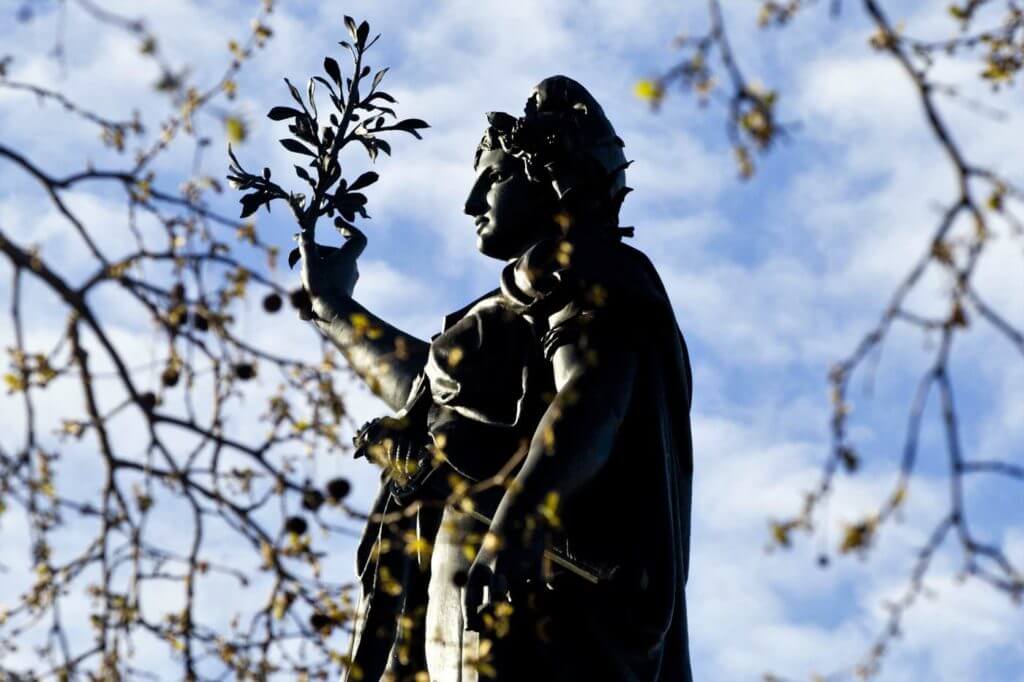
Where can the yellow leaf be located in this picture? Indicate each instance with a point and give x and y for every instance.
(360, 322)
(14, 383)
(857, 536)
(417, 545)
(549, 509)
(649, 90)
(235, 129)
(941, 252)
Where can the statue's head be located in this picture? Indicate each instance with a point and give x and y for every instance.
(558, 169)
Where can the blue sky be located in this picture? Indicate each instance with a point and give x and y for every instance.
(772, 280)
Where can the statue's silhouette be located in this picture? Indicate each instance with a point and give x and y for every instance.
(533, 521)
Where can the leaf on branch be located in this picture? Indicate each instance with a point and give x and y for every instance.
(326, 84)
(371, 146)
(364, 180)
(350, 23)
(411, 125)
(303, 130)
(333, 70)
(283, 113)
(293, 257)
(251, 203)
(295, 92)
(381, 95)
(348, 205)
(310, 92)
(235, 129)
(650, 91)
(296, 146)
(378, 78)
(857, 537)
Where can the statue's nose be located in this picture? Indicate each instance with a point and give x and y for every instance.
(476, 202)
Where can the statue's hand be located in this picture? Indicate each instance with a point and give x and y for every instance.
(330, 273)
(507, 563)
(390, 443)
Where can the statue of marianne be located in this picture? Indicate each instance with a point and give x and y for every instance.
(534, 516)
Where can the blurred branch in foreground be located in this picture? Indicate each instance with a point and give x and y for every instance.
(187, 503)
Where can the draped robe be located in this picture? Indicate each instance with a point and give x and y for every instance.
(630, 521)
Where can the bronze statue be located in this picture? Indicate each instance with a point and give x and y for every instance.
(534, 515)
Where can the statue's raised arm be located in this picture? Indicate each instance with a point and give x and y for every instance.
(349, 111)
(387, 358)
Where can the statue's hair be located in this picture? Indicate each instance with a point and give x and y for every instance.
(565, 140)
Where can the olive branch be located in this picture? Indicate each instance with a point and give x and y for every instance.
(352, 118)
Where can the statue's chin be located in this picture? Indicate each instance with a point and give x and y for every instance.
(490, 249)
(505, 246)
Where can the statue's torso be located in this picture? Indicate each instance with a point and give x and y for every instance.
(489, 382)
(489, 385)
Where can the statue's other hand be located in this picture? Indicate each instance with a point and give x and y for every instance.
(475, 600)
(390, 443)
(507, 564)
(329, 272)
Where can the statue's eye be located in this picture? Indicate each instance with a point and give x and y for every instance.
(499, 176)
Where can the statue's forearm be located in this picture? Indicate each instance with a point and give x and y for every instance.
(385, 357)
(575, 437)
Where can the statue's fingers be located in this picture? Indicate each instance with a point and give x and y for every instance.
(473, 596)
(402, 453)
(355, 242)
(499, 585)
(307, 247)
(371, 431)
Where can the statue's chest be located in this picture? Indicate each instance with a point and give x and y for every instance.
(489, 383)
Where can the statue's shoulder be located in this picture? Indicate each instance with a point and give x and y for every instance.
(485, 300)
(600, 285)
(590, 273)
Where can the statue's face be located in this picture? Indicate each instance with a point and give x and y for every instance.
(511, 212)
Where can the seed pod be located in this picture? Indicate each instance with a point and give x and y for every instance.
(321, 622)
(148, 401)
(245, 371)
(338, 489)
(312, 499)
(170, 377)
(272, 302)
(296, 524)
(200, 321)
